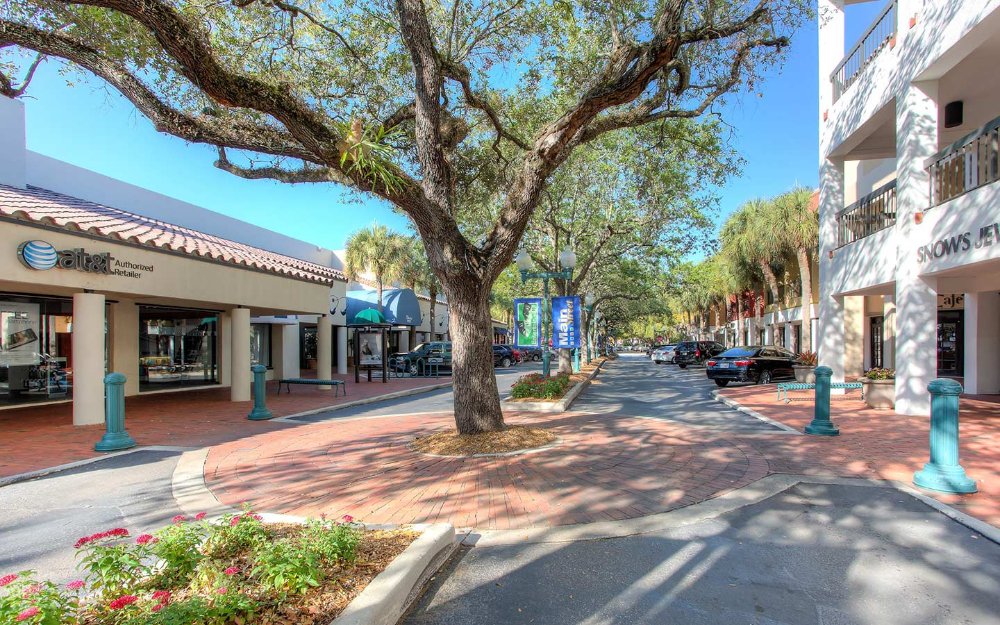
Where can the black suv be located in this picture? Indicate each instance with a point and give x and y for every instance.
(695, 352)
(503, 356)
(415, 362)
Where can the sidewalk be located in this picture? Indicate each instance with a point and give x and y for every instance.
(38, 437)
(881, 444)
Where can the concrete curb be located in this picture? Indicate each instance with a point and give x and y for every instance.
(705, 511)
(189, 489)
(292, 418)
(389, 595)
(558, 406)
(31, 475)
(735, 405)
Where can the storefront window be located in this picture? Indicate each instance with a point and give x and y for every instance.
(35, 349)
(177, 347)
(260, 344)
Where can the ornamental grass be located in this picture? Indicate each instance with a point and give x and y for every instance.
(235, 571)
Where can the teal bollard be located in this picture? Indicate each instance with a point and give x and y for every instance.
(260, 411)
(115, 438)
(576, 360)
(821, 424)
(943, 472)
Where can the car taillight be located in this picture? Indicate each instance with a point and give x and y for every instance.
(743, 363)
(711, 363)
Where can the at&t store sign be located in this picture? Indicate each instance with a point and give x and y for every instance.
(41, 256)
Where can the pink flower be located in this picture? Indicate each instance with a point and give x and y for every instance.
(200, 516)
(26, 614)
(31, 590)
(122, 601)
(158, 607)
(75, 584)
(180, 518)
(6, 579)
(233, 570)
(348, 518)
(145, 539)
(234, 520)
(163, 596)
(221, 591)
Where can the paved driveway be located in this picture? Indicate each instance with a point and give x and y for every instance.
(811, 555)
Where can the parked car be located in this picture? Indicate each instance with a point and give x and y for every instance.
(754, 363)
(695, 352)
(531, 353)
(416, 360)
(653, 348)
(663, 355)
(503, 356)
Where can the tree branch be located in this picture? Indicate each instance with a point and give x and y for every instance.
(202, 129)
(8, 89)
(460, 74)
(303, 174)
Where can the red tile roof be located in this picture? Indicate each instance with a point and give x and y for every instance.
(40, 206)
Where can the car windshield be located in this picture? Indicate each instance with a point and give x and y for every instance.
(421, 347)
(739, 352)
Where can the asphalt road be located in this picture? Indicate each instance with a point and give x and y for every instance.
(435, 401)
(41, 519)
(811, 555)
(636, 387)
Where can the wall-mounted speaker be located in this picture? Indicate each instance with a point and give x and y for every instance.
(953, 114)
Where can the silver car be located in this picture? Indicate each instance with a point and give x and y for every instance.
(663, 354)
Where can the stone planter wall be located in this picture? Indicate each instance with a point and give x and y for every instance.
(805, 373)
(880, 393)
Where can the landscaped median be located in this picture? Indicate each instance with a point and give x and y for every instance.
(533, 393)
(236, 570)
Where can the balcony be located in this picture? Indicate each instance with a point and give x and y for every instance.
(971, 162)
(873, 212)
(879, 35)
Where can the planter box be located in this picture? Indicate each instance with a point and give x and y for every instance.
(805, 374)
(879, 393)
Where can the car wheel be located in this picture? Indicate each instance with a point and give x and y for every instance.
(505, 362)
(764, 377)
(721, 382)
(412, 369)
(682, 366)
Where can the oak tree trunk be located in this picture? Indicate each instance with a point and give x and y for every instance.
(477, 401)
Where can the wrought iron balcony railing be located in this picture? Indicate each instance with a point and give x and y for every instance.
(969, 163)
(873, 212)
(878, 35)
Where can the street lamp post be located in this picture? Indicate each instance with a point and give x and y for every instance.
(567, 260)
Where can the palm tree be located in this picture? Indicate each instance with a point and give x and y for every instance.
(794, 221)
(377, 251)
(749, 232)
(417, 274)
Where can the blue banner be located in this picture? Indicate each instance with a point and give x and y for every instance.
(528, 322)
(565, 322)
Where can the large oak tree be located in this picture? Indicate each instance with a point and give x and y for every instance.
(405, 99)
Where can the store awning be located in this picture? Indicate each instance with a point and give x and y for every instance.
(500, 331)
(399, 306)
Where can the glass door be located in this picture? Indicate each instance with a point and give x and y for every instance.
(875, 345)
(950, 342)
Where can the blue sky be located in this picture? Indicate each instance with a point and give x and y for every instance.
(93, 127)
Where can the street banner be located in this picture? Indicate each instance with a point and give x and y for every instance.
(528, 322)
(566, 322)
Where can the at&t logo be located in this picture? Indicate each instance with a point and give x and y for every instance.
(37, 255)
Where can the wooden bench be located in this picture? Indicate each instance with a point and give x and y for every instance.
(784, 387)
(336, 384)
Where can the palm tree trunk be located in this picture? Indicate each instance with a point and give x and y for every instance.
(805, 276)
(772, 281)
(739, 318)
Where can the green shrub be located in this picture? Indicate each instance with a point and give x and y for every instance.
(880, 374)
(808, 359)
(534, 386)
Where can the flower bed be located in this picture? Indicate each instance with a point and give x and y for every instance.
(534, 386)
(237, 571)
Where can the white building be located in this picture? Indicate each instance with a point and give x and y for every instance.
(909, 205)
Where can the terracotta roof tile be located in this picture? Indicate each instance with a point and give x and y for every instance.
(73, 214)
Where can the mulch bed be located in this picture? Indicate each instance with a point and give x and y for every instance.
(321, 605)
(512, 438)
